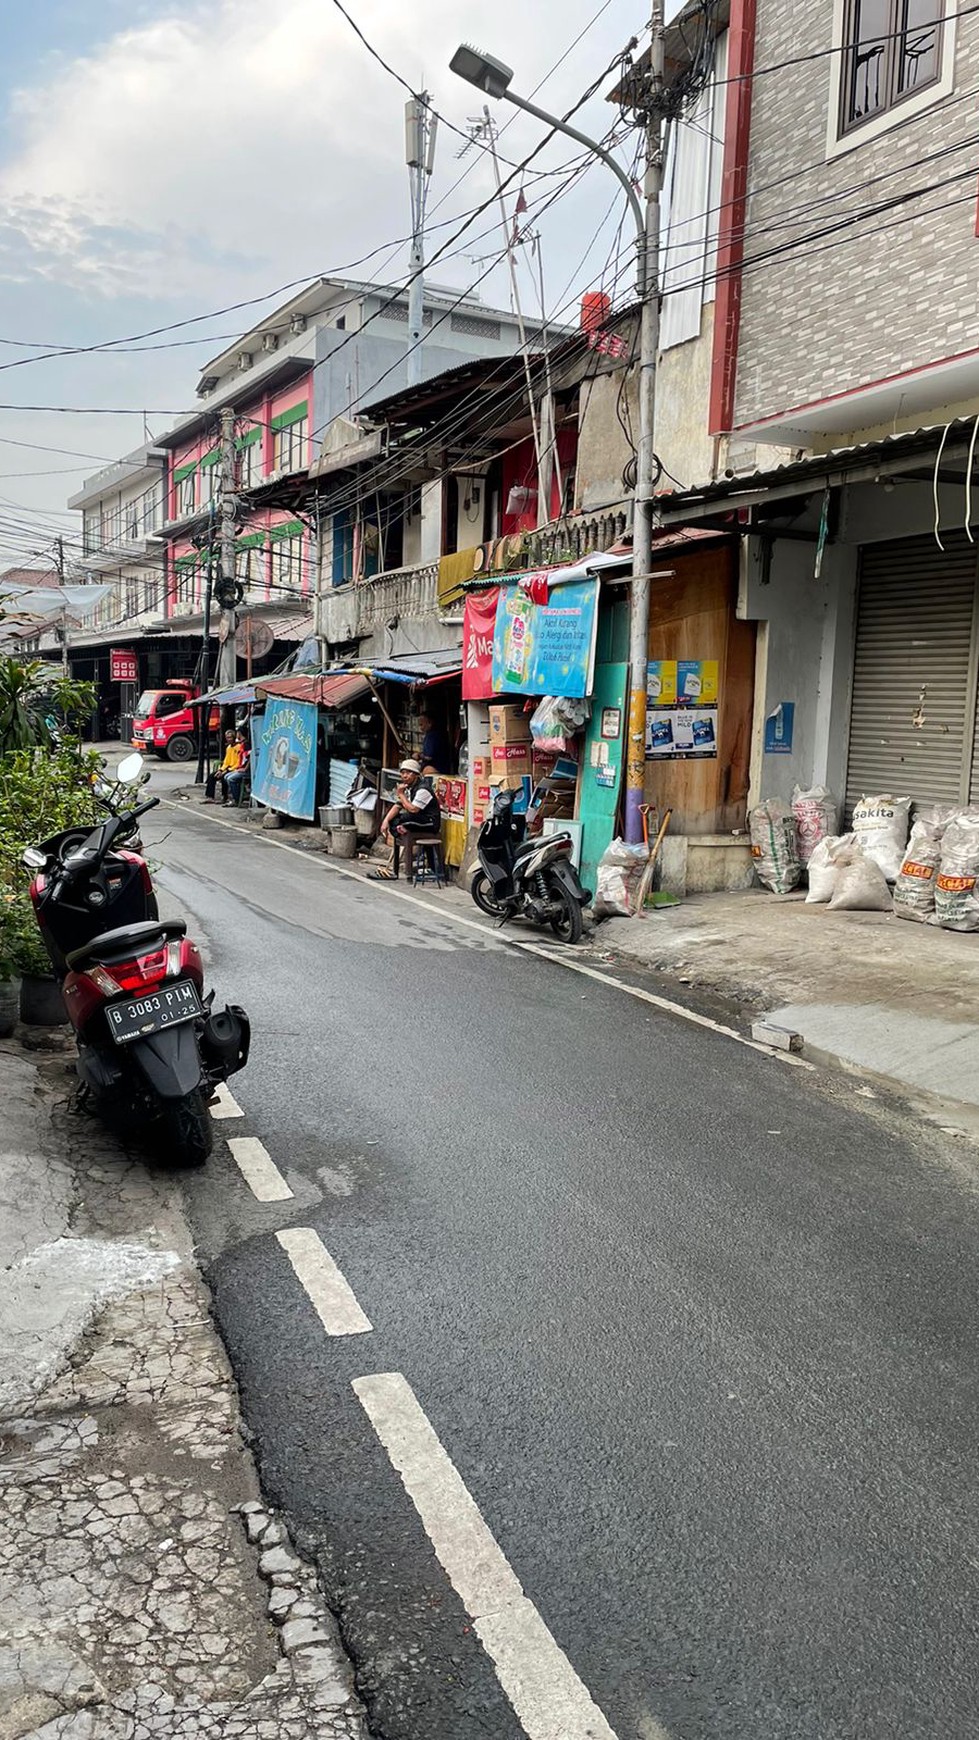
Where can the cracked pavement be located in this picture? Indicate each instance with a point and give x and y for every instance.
(144, 1589)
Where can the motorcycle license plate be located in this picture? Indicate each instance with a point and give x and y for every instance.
(167, 1007)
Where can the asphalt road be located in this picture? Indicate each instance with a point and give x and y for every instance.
(697, 1330)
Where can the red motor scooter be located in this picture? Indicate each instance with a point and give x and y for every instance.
(151, 1048)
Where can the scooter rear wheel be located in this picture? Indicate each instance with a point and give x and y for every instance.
(482, 894)
(188, 1135)
(567, 925)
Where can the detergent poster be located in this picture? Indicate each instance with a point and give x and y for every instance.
(546, 649)
(284, 773)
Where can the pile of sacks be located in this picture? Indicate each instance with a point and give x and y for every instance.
(934, 869)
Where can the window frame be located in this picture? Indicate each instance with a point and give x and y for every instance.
(842, 137)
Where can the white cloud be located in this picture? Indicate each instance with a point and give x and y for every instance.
(215, 141)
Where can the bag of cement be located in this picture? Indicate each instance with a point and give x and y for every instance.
(816, 816)
(881, 826)
(774, 847)
(620, 871)
(861, 885)
(824, 865)
(914, 890)
(956, 900)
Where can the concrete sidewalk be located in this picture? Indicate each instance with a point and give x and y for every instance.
(891, 997)
(145, 1591)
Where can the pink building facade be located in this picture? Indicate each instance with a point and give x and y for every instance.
(276, 555)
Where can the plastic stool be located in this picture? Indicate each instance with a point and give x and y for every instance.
(424, 859)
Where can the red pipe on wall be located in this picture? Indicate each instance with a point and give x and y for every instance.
(734, 202)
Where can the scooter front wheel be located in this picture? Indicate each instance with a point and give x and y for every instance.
(483, 896)
(187, 1132)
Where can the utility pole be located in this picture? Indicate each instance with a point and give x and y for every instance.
(59, 556)
(228, 592)
(642, 513)
(420, 130)
(203, 735)
(509, 242)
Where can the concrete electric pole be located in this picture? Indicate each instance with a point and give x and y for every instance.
(420, 130)
(59, 556)
(227, 668)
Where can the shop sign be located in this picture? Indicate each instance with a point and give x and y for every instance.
(478, 625)
(123, 665)
(681, 709)
(284, 775)
(546, 649)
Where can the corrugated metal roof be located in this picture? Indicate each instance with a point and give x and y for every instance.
(417, 667)
(815, 468)
(329, 689)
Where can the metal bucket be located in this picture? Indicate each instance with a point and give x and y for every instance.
(343, 842)
(365, 824)
(336, 816)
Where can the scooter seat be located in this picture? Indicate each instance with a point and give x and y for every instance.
(119, 945)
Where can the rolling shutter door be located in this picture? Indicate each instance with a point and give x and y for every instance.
(911, 718)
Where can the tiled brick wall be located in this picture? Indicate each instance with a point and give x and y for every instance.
(833, 314)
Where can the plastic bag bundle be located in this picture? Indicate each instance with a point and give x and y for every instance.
(881, 826)
(914, 890)
(620, 871)
(956, 900)
(816, 816)
(556, 719)
(824, 865)
(861, 885)
(774, 847)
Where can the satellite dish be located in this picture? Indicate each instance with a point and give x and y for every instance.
(253, 638)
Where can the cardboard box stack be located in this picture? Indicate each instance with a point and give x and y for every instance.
(510, 752)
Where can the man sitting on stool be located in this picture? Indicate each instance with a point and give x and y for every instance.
(416, 811)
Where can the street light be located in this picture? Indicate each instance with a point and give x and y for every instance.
(492, 77)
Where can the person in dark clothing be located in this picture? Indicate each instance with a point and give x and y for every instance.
(435, 743)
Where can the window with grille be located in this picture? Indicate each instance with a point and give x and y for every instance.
(287, 565)
(892, 50)
(186, 493)
(289, 446)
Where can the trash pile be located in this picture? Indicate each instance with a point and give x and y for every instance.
(926, 871)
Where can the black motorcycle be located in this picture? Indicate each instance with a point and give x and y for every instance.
(534, 879)
(151, 1047)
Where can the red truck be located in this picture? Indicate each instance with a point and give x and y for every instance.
(166, 723)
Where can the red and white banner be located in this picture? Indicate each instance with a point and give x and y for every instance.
(478, 626)
(123, 665)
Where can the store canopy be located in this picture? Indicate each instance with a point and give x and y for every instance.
(329, 689)
(417, 668)
(235, 695)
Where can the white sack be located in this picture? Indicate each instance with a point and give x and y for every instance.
(861, 885)
(881, 826)
(914, 890)
(956, 902)
(824, 866)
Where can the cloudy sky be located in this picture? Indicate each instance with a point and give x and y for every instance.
(164, 159)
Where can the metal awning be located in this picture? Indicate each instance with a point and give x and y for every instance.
(417, 668)
(235, 695)
(328, 689)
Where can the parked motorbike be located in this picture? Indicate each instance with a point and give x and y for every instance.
(533, 879)
(151, 1046)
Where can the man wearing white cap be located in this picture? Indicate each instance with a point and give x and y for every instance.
(416, 811)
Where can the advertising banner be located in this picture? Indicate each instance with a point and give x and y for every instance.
(546, 649)
(123, 667)
(478, 625)
(681, 709)
(284, 772)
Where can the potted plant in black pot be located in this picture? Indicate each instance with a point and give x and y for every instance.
(9, 965)
(41, 1002)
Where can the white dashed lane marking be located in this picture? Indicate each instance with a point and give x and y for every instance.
(537, 1677)
(224, 1105)
(329, 1293)
(258, 1169)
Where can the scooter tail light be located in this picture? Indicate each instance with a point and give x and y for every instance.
(104, 980)
(144, 970)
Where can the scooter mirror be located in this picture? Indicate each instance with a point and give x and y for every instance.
(129, 769)
(34, 858)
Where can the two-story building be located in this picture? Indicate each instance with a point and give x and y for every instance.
(845, 383)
